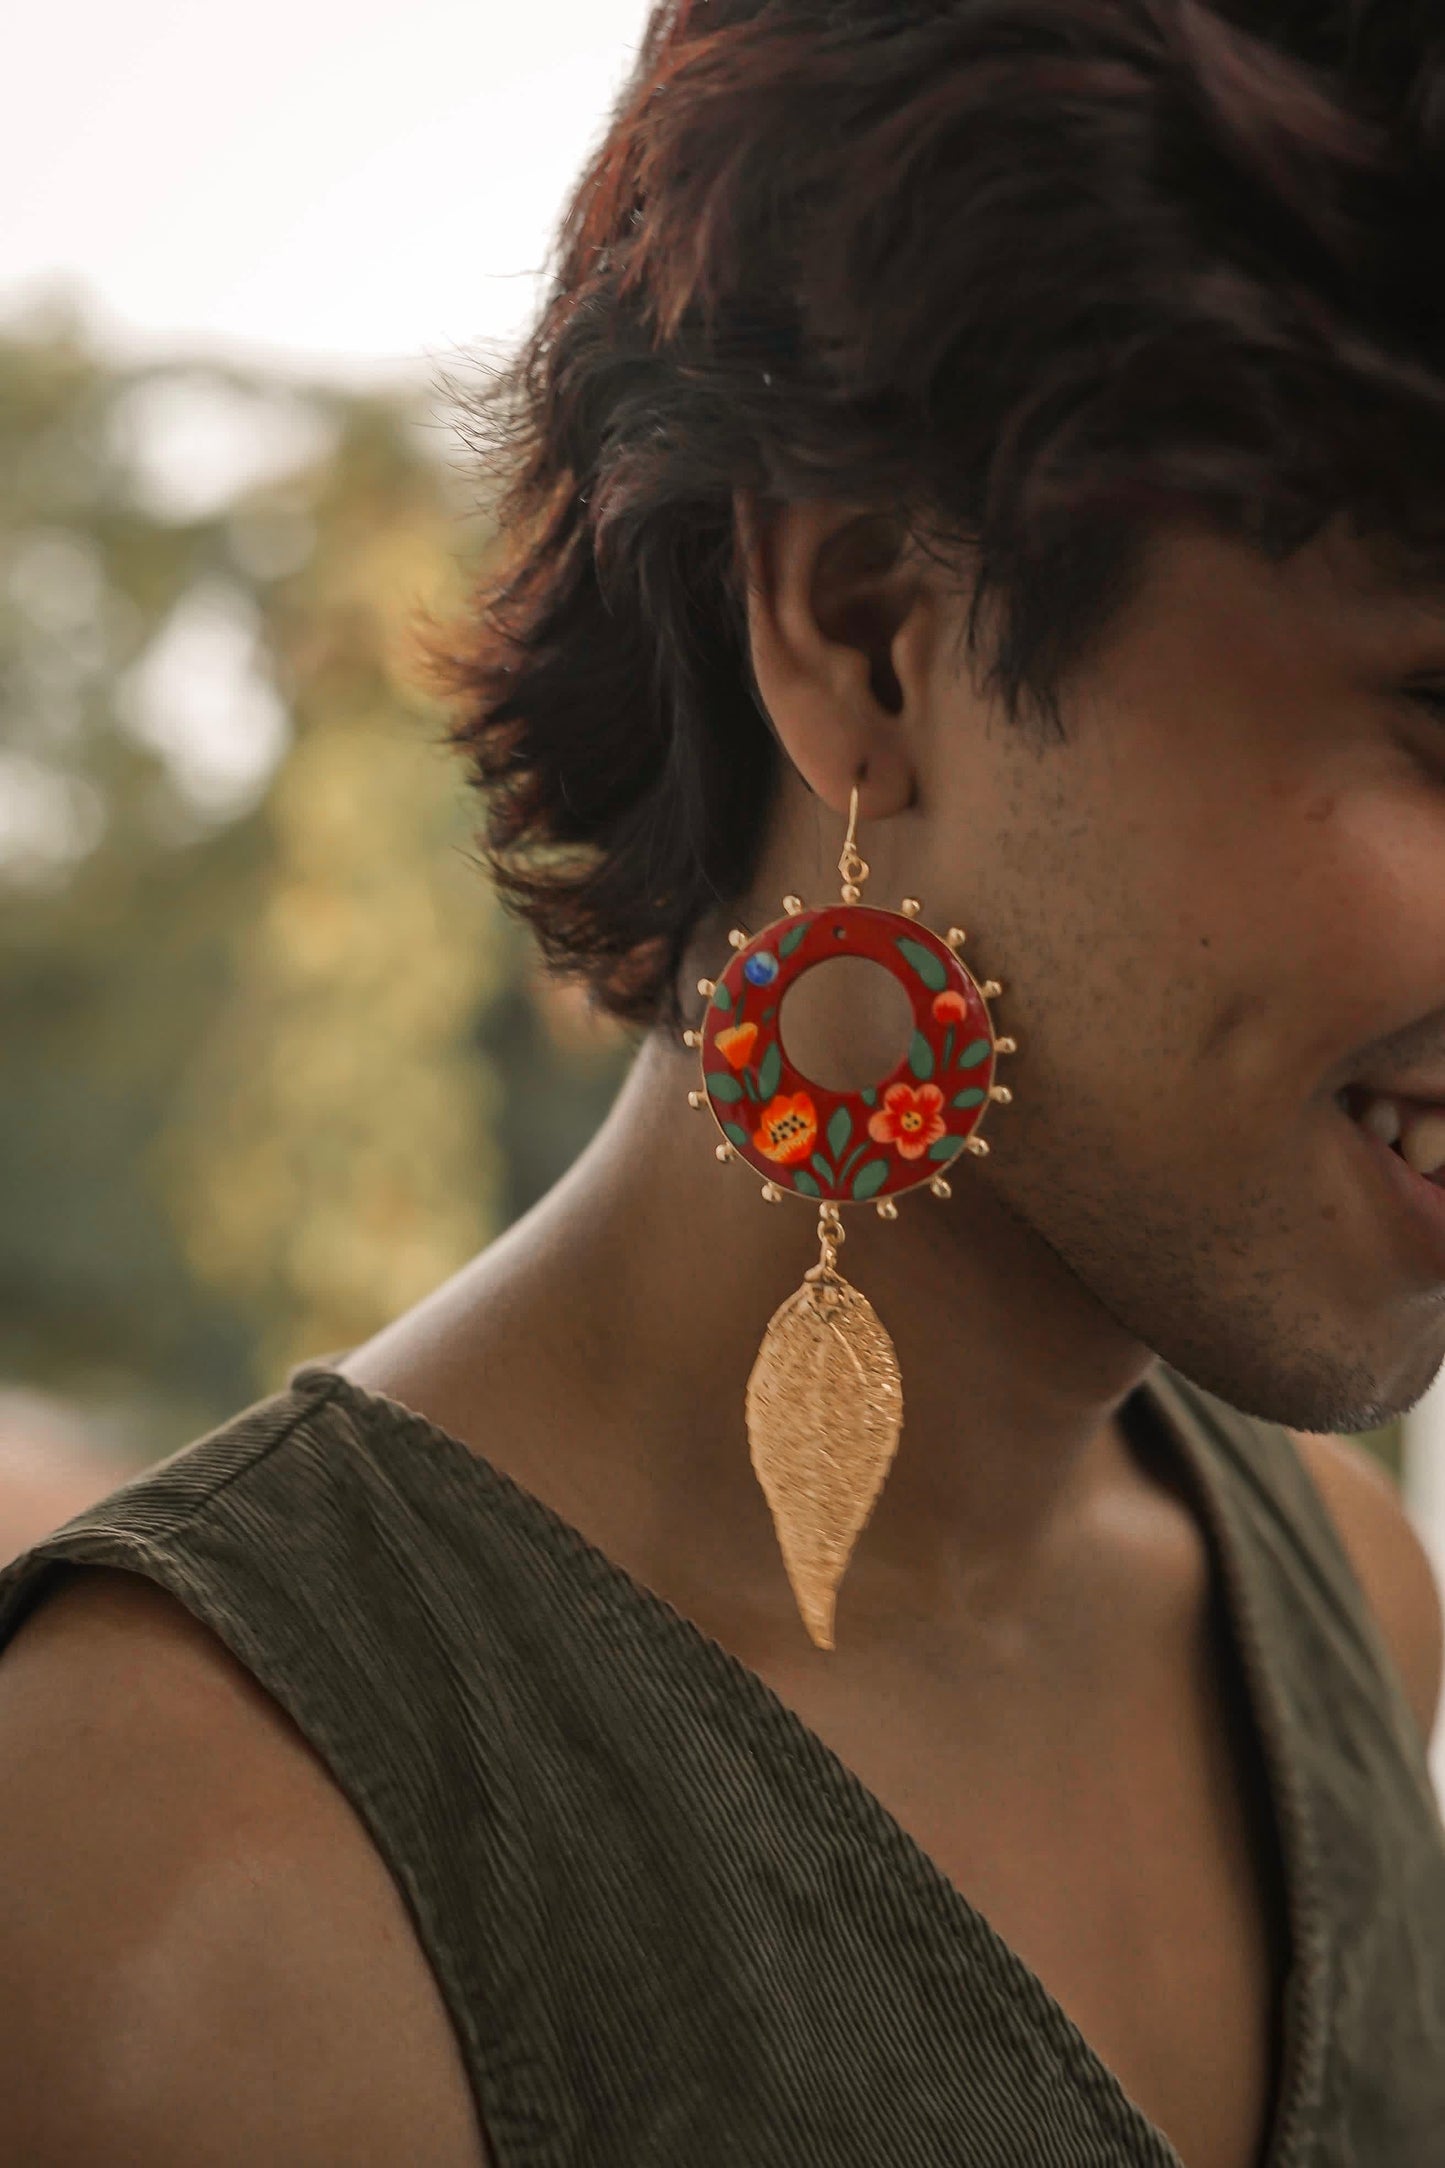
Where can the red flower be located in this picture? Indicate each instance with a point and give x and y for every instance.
(950, 1006)
(909, 1119)
(786, 1128)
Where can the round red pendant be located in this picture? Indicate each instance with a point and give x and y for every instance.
(847, 1146)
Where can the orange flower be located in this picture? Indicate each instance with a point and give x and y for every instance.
(736, 1044)
(908, 1119)
(786, 1128)
(949, 1006)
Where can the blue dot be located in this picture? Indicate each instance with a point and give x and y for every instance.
(761, 969)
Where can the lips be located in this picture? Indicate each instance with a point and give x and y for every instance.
(1413, 1128)
(1383, 1124)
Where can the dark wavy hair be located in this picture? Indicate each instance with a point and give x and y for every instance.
(1030, 275)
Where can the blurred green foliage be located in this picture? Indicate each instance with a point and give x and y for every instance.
(272, 1061)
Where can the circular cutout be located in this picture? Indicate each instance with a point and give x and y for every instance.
(845, 1022)
(848, 1146)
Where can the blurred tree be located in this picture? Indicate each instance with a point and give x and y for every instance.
(336, 1158)
(269, 1050)
(115, 904)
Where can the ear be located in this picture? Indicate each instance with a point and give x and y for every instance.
(839, 627)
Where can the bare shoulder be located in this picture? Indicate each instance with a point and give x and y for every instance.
(1390, 1560)
(202, 1956)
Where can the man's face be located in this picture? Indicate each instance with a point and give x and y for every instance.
(1217, 908)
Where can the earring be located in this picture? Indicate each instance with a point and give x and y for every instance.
(824, 1398)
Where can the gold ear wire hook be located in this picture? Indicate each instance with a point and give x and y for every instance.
(853, 868)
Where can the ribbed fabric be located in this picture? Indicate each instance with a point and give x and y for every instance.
(672, 1929)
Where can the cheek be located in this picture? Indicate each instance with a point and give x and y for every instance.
(1370, 905)
(1327, 930)
(1191, 946)
(1269, 912)
(1107, 960)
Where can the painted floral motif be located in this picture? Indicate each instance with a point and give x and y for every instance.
(862, 1145)
(787, 1128)
(735, 1044)
(910, 1119)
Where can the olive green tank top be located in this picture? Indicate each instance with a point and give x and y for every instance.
(672, 1928)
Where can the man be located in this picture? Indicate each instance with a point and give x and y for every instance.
(896, 416)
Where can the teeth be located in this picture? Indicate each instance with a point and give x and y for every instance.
(1382, 1118)
(1423, 1144)
(1418, 1131)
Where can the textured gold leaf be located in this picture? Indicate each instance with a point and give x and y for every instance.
(824, 1413)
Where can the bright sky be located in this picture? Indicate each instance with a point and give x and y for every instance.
(360, 186)
(360, 181)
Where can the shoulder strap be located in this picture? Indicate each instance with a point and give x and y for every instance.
(1322, 1637)
(1357, 1810)
(1303, 1579)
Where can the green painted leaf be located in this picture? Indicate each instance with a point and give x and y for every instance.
(975, 1052)
(973, 1097)
(736, 1134)
(769, 1014)
(928, 966)
(825, 1172)
(840, 1129)
(804, 1181)
(721, 998)
(724, 1087)
(870, 1177)
(869, 1097)
(946, 1148)
(920, 1056)
(769, 1069)
(792, 937)
(851, 1161)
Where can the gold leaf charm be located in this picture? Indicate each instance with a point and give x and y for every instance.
(824, 1414)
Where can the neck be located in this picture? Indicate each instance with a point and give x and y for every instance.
(1012, 1374)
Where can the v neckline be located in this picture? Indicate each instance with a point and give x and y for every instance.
(1267, 1721)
